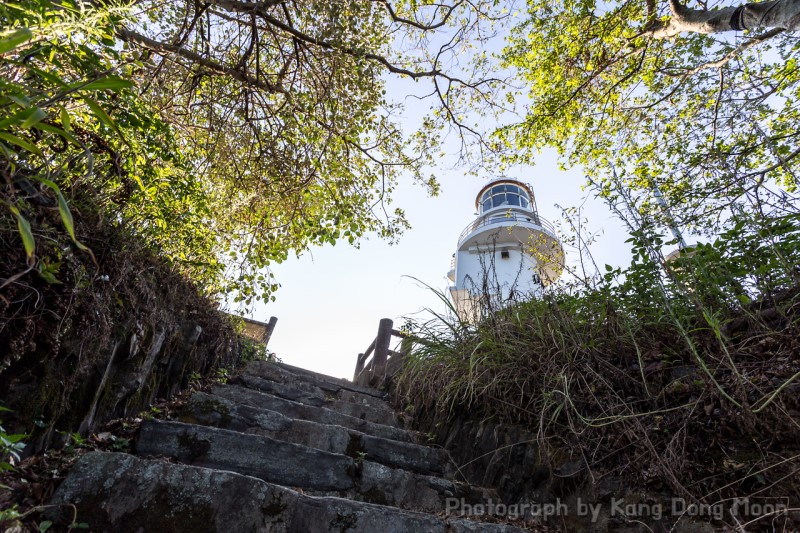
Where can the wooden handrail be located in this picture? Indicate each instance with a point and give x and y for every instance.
(370, 348)
(257, 330)
(368, 373)
(270, 328)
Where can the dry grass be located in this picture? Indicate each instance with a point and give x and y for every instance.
(703, 405)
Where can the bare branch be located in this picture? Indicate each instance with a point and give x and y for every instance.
(730, 55)
(426, 27)
(169, 49)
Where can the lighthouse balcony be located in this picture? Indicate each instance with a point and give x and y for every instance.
(522, 219)
(451, 274)
(506, 229)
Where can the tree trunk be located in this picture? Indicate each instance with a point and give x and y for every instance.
(783, 14)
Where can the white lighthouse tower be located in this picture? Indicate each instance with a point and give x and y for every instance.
(508, 252)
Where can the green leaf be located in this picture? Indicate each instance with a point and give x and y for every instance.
(66, 120)
(109, 83)
(49, 277)
(63, 210)
(66, 218)
(12, 39)
(25, 118)
(101, 114)
(58, 131)
(13, 439)
(25, 232)
(37, 114)
(22, 143)
(45, 525)
(20, 99)
(49, 76)
(6, 151)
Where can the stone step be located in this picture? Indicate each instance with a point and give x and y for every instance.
(297, 410)
(337, 388)
(210, 410)
(328, 383)
(122, 493)
(376, 411)
(295, 465)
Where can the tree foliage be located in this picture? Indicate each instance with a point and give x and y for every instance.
(74, 132)
(647, 94)
(229, 133)
(284, 109)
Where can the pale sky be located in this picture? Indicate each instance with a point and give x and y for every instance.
(332, 298)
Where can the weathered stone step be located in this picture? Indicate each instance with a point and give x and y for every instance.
(376, 411)
(295, 465)
(333, 387)
(211, 410)
(322, 415)
(122, 493)
(328, 383)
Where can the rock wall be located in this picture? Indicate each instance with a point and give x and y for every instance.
(100, 341)
(558, 490)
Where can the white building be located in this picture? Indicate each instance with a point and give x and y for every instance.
(508, 253)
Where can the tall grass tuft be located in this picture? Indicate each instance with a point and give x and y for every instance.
(685, 376)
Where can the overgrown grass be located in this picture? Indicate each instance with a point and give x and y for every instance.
(684, 379)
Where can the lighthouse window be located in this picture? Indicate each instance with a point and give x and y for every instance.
(504, 195)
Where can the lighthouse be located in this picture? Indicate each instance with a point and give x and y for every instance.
(508, 253)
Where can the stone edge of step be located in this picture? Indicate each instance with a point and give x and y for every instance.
(216, 411)
(382, 414)
(98, 474)
(295, 464)
(397, 433)
(330, 380)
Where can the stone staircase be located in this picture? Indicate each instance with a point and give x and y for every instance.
(278, 449)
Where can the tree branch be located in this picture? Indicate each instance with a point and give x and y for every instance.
(170, 49)
(261, 9)
(420, 26)
(779, 14)
(727, 57)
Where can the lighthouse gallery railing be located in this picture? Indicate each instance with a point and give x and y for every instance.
(499, 218)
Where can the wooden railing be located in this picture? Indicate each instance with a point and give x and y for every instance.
(384, 361)
(259, 331)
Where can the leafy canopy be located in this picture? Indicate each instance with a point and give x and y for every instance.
(642, 95)
(73, 127)
(283, 111)
(230, 134)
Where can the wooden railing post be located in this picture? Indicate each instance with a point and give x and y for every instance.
(382, 347)
(359, 367)
(269, 329)
(373, 373)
